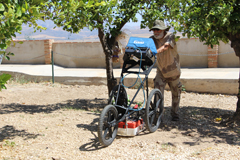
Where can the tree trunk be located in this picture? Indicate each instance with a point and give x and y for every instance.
(235, 44)
(111, 81)
(237, 113)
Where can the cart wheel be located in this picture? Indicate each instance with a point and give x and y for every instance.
(154, 110)
(107, 127)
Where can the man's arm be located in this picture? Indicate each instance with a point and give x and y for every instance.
(163, 48)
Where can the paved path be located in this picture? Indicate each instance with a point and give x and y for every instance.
(194, 79)
(187, 73)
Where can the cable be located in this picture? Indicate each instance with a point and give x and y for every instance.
(136, 82)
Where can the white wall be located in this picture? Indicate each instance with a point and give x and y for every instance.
(30, 52)
(226, 59)
(79, 54)
(193, 54)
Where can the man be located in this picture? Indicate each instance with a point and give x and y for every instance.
(168, 66)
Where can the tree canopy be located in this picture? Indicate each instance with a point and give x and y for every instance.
(14, 13)
(209, 20)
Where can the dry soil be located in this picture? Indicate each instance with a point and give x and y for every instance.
(46, 121)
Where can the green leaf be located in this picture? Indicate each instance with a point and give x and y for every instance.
(103, 3)
(10, 54)
(19, 13)
(90, 28)
(224, 20)
(7, 57)
(177, 38)
(3, 46)
(9, 42)
(23, 10)
(2, 8)
(3, 80)
(26, 5)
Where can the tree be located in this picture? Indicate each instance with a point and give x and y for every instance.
(108, 17)
(14, 13)
(210, 20)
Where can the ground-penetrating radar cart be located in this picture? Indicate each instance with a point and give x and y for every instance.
(120, 116)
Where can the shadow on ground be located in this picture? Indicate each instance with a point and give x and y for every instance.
(95, 105)
(193, 120)
(94, 144)
(9, 132)
(200, 123)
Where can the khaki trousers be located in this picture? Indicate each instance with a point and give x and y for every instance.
(175, 87)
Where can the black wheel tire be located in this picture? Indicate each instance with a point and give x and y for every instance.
(154, 110)
(106, 132)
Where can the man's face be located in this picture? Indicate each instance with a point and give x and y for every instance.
(157, 32)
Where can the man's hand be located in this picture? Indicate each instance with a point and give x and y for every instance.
(163, 48)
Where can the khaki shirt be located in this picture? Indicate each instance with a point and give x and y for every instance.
(168, 61)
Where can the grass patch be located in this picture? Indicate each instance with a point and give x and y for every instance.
(19, 79)
(169, 147)
(9, 144)
(22, 79)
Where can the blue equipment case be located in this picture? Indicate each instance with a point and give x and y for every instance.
(140, 50)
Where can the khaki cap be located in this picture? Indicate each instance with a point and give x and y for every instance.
(159, 24)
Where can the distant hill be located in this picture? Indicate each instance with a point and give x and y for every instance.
(58, 34)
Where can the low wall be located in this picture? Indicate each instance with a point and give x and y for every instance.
(29, 52)
(193, 54)
(79, 54)
(227, 56)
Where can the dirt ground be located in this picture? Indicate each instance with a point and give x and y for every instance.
(46, 121)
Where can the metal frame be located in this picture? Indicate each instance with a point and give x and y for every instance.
(125, 69)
